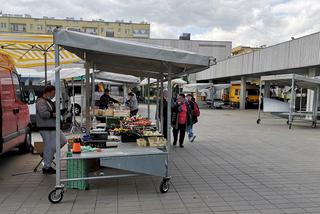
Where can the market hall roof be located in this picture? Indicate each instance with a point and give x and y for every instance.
(127, 57)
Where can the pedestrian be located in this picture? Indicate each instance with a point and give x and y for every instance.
(105, 99)
(46, 124)
(195, 113)
(180, 119)
(164, 121)
(132, 103)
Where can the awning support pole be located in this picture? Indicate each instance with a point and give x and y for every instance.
(161, 105)
(149, 97)
(291, 102)
(157, 105)
(87, 73)
(260, 101)
(45, 68)
(73, 108)
(169, 106)
(58, 113)
(93, 91)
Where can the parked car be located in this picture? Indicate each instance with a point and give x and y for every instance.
(15, 119)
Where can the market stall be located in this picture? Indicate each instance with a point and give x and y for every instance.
(287, 110)
(130, 58)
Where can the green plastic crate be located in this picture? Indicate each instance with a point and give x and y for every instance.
(77, 169)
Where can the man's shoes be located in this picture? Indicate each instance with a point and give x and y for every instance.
(174, 144)
(192, 139)
(181, 146)
(48, 171)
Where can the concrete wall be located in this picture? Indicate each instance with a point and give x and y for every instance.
(283, 57)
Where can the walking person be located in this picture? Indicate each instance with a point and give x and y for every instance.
(46, 124)
(180, 118)
(132, 103)
(164, 120)
(195, 113)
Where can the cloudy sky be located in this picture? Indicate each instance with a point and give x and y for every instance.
(245, 22)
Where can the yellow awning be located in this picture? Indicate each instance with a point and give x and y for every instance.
(28, 50)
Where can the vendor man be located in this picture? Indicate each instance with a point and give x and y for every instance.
(105, 99)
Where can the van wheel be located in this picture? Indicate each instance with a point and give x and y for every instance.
(26, 146)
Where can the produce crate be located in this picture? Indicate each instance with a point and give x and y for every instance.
(113, 122)
(129, 138)
(77, 169)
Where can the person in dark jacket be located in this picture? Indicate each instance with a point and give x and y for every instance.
(180, 119)
(164, 121)
(192, 104)
(105, 99)
(46, 124)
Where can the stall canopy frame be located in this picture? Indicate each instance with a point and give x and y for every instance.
(293, 80)
(123, 57)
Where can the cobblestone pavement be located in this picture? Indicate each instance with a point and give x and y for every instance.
(234, 166)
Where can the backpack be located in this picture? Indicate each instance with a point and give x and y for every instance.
(195, 111)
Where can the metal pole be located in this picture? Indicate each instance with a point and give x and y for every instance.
(149, 97)
(161, 106)
(87, 68)
(58, 115)
(124, 93)
(92, 91)
(291, 102)
(82, 103)
(157, 105)
(73, 107)
(169, 106)
(45, 68)
(260, 101)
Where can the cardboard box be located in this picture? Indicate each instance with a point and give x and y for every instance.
(38, 147)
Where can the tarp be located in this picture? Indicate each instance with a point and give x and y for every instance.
(68, 73)
(196, 87)
(178, 81)
(27, 50)
(127, 57)
(286, 80)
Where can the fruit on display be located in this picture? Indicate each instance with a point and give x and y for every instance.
(151, 133)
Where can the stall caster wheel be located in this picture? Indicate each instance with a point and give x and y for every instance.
(56, 195)
(314, 125)
(164, 185)
(258, 121)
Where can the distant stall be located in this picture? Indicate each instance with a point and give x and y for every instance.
(288, 109)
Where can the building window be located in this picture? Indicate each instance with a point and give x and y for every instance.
(109, 33)
(39, 27)
(3, 25)
(127, 31)
(18, 27)
(101, 30)
(90, 30)
(31, 26)
(119, 30)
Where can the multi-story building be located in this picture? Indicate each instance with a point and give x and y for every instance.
(26, 24)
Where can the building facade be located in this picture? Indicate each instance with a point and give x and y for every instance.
(26, 24)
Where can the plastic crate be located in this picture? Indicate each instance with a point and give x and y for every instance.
(77, 169)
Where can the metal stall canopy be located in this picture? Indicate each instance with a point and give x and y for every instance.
(126, 57)
(287, 110)
(118, 56)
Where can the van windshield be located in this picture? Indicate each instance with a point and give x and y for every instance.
(253, 92)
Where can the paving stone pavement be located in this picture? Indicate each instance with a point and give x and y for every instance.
(234, 166)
